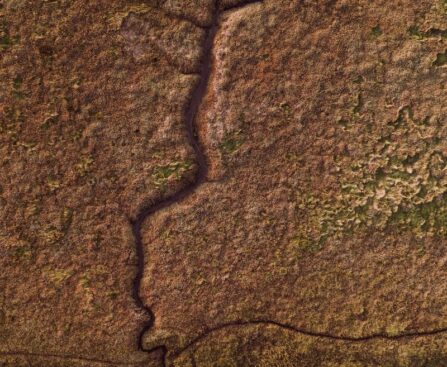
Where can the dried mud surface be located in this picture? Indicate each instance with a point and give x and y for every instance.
(231, 183)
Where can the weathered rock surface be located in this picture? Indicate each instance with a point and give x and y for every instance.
(314, 234)
(324, 128)
(91, 131)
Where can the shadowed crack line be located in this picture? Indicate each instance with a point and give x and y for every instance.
(207, 333)
(304, 332)
(68, 357)
(190, 114)
(240, 4)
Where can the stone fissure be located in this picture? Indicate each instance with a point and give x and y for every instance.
(190, 113)
(190, 116)
(236, 324)
(304, 332)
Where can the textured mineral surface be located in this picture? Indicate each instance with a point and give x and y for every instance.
(223, 183)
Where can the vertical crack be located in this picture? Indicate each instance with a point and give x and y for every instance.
(190, 114)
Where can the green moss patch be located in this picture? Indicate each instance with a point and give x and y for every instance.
(441, 59)
(172, 171)
(232, 142)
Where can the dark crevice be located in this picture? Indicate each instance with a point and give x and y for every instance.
(207, 333)
(190, 114)
(435, 32)
(189, 118)
(240, 4)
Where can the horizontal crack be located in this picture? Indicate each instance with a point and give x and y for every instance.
(184, 18)
(67, 357)
(240, 4)
(414, 334)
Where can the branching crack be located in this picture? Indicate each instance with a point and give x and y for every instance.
(190, 116)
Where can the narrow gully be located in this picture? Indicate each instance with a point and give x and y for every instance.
(190, 114)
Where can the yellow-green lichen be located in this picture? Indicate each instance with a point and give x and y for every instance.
(441, 59)
(57, 276)
(83, 167)
(232, 142)
(172, 171)
(376, 31)
(6, 40)
(398, 180)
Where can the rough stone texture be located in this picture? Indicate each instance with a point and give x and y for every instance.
(91, 131)
(318, 235)
(324, 129)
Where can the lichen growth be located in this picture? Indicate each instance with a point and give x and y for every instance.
(232, 142)
(376, 31)
(416, 33)
(441, 59)
(397, 181)
(172, 171)
(6, 40)
(83, 167)
(444, 5)
(57, 276)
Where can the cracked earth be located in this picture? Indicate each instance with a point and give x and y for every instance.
(223, 183)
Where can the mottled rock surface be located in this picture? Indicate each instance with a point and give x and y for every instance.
(325, 209)
(91, 131)
(313, 234)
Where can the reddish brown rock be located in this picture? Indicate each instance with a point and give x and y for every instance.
(91, 131)
(293, 200)
(324, 210)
